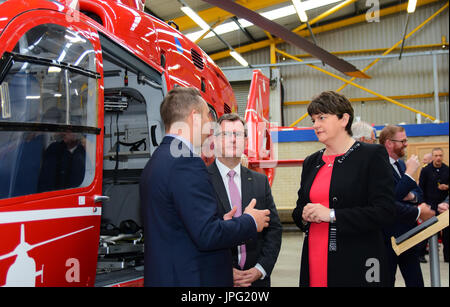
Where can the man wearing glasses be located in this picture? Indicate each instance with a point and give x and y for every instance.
(235, 186)
(409, 195)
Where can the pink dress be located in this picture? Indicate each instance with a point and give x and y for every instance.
(318, 232)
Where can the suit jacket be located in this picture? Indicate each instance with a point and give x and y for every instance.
(362, 194)
(186, 243)
(429, 178)
(406, 211)
(263, 250)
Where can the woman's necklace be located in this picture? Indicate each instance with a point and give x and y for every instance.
(329, 162)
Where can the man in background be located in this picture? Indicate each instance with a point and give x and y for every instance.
(427, 159)
(408, 194)
(434, 181)
(364, 132)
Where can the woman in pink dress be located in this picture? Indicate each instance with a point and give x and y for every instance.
(345, 199)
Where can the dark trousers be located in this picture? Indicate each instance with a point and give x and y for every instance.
(445, 241)
(409, 265)
(422, 246)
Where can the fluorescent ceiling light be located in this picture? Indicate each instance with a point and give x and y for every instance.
(197, 19)
(239, 58)
(411, 6)
(313, 4)
(54, 69)
(271, 15)
(300, 10)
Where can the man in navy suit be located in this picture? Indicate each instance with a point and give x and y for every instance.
(409, 206)
(186, 242)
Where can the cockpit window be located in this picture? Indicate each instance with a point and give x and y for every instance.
(48, 112)
(58, 43)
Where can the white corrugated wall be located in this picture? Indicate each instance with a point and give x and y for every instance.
(409, 76)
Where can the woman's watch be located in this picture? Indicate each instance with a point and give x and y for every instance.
(332, 216)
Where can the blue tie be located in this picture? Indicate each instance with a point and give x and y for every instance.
(400, 169)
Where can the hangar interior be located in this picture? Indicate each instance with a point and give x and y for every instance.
(404, 53)
(58, 69)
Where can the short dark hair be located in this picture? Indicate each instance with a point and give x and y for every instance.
(178, 103)
(388, 133)
(233, 117)
(330, 102)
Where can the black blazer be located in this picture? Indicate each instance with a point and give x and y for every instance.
(362, 194)
(264, 250)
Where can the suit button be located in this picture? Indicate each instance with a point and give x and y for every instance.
(335, 199)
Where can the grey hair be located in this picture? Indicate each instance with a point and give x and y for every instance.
(362, 129)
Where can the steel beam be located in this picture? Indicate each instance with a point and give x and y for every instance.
(213, 14)
(366, 99)
(399, 42)
(328, 27)
(357, 86)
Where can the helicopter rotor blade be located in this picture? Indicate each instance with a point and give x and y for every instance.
(30, 247)
(11, 254)
(60, 237)
(288, 36)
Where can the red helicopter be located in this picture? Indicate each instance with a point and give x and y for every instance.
(89, 76)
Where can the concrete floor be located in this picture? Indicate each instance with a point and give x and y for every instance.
(287, 269)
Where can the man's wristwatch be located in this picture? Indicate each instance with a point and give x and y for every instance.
(332, 216)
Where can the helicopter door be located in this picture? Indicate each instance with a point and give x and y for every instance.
(50, 151)
(133, 130)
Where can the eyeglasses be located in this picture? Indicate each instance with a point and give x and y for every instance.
(237, 134)
(400, 141)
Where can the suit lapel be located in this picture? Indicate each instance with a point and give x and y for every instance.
(246, 187)
(396, 176)
(402, 167)
(219, 187)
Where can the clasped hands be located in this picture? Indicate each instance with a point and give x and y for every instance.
(316, 213)
(245, 278)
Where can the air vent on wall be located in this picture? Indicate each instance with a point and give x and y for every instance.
(197, 59)
(226, 108)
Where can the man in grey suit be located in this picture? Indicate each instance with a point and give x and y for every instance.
(235, 186)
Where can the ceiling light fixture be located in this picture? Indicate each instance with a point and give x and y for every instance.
(239, 58)
(410, 9)
(271, 15)
(411, 6)
(197, 19)
(300, 10)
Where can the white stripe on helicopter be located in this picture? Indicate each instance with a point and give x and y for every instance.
(47, 214)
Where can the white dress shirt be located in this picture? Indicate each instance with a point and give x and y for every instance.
(392, 160)
(223, 169)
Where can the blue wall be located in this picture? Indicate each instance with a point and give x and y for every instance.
(411, 131)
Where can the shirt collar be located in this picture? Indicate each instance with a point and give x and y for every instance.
(182, 139)
(223, 169)
(392, 160)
